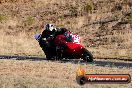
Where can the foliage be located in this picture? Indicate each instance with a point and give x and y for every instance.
(2, 17)
(130, 18)
(88, 8)
(29, 21)
(73, 11)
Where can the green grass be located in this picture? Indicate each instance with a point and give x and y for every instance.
(3, 18)
(130, 18)
(88, 8)
(61, 18)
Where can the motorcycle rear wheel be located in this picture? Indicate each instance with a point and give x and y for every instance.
(87, 56)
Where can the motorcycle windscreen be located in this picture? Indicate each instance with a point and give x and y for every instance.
(76, 39)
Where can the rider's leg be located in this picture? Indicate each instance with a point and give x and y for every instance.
(46, 48)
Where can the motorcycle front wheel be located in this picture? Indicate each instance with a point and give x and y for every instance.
(87, 56)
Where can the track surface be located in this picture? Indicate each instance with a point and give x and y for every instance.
(97, 62)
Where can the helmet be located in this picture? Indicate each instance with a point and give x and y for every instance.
(50, 27)
(37, 36)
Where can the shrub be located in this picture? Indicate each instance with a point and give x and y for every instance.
(88, 8)
(29, 21)
(130, 18)
(73, 11)
(61, 18)
(3, 17)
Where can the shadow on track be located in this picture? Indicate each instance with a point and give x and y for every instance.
(102, 63)
(95, 62)
(21, 57)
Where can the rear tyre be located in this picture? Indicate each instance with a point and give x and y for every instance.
(87, 56)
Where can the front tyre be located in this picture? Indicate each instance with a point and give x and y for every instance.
(87, 56)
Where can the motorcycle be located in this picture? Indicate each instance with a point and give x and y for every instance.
(68, 46)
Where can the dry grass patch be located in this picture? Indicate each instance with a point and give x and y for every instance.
(43, 74)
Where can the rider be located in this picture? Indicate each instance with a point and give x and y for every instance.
(46, 39)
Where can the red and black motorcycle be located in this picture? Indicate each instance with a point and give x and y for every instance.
(68, 46)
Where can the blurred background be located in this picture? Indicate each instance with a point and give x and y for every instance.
(104, 25)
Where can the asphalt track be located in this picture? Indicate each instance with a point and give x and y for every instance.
(97, 62)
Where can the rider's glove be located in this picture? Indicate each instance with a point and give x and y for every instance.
(44, 39)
